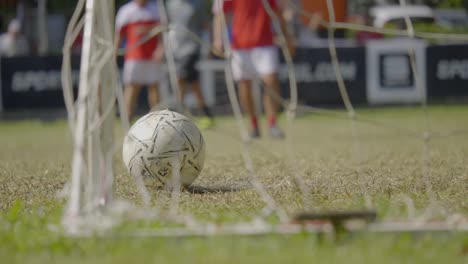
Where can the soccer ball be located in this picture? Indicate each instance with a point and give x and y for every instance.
(161, 141)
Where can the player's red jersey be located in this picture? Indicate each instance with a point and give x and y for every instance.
(251, 24)
(133, 22)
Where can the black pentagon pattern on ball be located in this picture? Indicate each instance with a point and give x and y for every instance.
(144, 118)
(155, 136)
(149, 172)
(202, 145)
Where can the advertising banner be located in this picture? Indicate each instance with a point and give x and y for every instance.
(315, 76)
(380, 73)
(447, 71)
(390, 75)
(33, 82)
(317, 80)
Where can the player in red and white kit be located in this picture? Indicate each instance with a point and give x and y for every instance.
(253, 54)
(142, 67)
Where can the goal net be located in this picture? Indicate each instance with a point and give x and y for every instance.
(274, 186)
(92, 115)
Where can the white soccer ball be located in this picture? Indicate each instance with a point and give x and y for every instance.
(161, 141)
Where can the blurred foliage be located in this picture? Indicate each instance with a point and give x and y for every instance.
(430, 28)
(420, 27)
(67, 7)
(360, 6)
(432, 3)
(453, 4)
(59, 6)
(434, 28)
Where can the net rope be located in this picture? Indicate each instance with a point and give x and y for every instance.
(291, 106)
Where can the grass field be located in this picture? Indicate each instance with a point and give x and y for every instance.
(344, 165)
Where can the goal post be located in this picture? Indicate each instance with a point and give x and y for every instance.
(93, 124)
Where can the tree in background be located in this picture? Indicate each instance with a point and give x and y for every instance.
(451, 3)
(360, 6)
(67, 7)
(443, 3)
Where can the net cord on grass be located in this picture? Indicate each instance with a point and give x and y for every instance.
(291, 106)
(425, 169)
(91, 117)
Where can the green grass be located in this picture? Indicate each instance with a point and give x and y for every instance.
(340, 169)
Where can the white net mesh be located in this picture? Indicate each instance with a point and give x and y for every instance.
(92, 115)
(92, 207)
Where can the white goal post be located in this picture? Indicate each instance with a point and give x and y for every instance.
(92, 115)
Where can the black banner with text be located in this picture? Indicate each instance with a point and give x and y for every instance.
(33, 82)
(317, 80)
(447, 71)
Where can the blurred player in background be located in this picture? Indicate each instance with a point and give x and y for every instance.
(253, 54)
(193, 15)
(13, 43)
(143, 55)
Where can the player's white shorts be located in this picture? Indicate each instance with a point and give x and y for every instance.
(142, 72)
(247, 64)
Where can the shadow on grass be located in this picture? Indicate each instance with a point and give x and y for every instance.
(219, 189)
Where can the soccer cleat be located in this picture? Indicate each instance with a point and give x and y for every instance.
(255, 133)
(206, 122)
(276, 132)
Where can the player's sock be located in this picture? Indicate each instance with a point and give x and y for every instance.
(254, 122)
(271, 121)
(255, 132)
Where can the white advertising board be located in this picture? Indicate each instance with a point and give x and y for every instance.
(390, 78)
